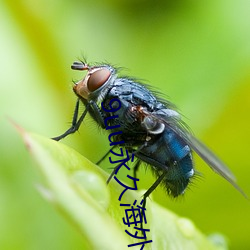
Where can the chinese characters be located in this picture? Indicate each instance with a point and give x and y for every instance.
(134, 214)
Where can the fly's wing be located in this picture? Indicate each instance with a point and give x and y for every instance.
(175, 124)
(212, 160)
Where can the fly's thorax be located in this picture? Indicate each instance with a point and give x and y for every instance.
(95, 84)
(154, 122)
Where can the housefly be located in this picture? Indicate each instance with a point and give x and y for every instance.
(151, 127)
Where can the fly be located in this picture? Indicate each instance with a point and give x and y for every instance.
(151, 127)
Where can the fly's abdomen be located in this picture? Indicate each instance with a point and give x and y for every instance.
(178, 176)
(171, 156)
(180, 167)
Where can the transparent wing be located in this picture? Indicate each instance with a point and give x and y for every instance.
(208, 156)
(175, 124)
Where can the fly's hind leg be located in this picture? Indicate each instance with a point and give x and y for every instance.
(150, 190)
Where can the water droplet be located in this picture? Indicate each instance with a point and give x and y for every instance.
(94, 185)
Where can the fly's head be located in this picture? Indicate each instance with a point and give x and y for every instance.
(96, 79)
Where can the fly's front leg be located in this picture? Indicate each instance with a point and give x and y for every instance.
(75, 124)
(97, 113)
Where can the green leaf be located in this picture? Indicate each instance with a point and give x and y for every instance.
(78, 189)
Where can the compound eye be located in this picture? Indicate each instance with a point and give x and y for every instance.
(97, 79)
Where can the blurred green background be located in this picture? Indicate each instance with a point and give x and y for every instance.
(195, 52)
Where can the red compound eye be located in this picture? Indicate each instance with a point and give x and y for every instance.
(97, 79)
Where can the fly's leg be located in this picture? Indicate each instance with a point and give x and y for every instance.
(75, 124)
(150, 190)
(136, 167)
(153, 187)
(112, 174)
(97, 113)
(115, 170)
(105, 156)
